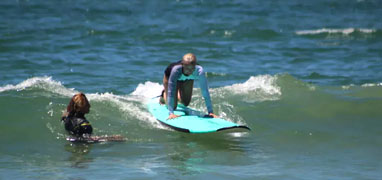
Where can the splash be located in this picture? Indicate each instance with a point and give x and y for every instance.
(148, 89)
(255, 89)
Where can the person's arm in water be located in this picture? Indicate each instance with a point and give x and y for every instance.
(206, 94)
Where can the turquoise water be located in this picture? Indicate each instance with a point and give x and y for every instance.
(304, 76)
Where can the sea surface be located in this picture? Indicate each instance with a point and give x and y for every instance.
(305, 76)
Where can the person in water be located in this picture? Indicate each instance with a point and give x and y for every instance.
(74, 117)
(178, 81)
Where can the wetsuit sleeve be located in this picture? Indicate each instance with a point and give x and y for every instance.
(171, 91)
(204, 88)
(64, 116)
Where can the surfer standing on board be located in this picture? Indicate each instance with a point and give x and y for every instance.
(179, 80)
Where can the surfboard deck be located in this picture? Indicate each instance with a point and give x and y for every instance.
(190, 120)
(96, 139)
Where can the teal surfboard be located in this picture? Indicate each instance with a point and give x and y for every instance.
(190, 120)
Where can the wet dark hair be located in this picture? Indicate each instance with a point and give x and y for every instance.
(78, 104)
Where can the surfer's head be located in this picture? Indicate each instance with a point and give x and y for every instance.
(79, 104)
(188, 63)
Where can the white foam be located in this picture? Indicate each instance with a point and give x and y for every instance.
(257, 88)
(148, 89)
(345, 31)
(44, 82)
(131, 105)
(215, 74)
(347, 87)
(263, 84)
(371, 84)
(143, 93)
(228, 33)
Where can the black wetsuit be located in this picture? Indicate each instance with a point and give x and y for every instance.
(76, 124)
(168, 70)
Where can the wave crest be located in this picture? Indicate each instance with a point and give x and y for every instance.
(255, 89)
(45, 83)
(345, 31)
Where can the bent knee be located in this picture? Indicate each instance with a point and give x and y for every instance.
(185, 102)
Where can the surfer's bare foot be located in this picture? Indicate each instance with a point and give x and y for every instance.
(173, 116)
(213, 115)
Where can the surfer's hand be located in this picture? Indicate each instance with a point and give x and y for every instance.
(213, 115)
(172, 116)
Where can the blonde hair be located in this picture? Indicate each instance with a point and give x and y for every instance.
(189, 58)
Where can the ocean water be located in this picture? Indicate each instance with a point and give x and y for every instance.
(305, 76)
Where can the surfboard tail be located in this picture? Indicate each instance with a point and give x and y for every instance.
(241, 127)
